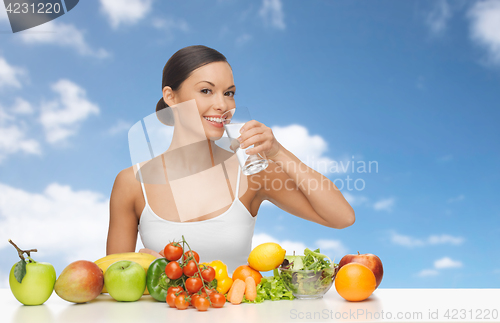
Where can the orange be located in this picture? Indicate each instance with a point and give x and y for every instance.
(355, 282)
(244, 271)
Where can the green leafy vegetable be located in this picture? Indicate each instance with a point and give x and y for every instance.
(295, 262)
(310, 274)
(271, 288)
(312, 260)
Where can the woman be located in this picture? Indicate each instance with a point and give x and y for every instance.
(202, 76)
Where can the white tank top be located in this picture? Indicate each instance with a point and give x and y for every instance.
(227, 237)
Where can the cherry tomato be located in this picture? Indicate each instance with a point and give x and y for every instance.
(218, 300)
(208, 274)
(208, 291)
(181, 302)
(193, 284)
(175, 289)
(173, 251)
(171, 299)
(202, 304)
(173, 270)
(190, 269)
(191, 253)
(197, 295)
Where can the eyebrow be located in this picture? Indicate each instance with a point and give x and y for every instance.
(232, 86)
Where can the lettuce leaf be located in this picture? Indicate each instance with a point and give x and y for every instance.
(271, 288)
(314, 260)
(294, 262)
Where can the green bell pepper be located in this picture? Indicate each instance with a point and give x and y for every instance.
(158, 282)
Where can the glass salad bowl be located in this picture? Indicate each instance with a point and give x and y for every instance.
(308, 284)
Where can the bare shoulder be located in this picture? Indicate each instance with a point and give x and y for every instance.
(126, 186)
(126, 176)
(122, 232)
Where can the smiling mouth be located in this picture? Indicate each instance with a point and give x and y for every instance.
(217, 120)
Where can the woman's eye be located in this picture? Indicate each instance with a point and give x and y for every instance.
(230, 93)
(206, 91)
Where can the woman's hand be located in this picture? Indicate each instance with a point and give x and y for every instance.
(261, 136)
(152, 252)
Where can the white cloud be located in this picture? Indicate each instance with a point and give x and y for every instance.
(428, 272)
(10, 76)
(272, 13)
(62, 116)
(22, 107)
(447, 262)
(355, 199)
(59, 221)
(119, 127)
(125, 12)
(484, 27)
(443, 263)
(13, 139)
(332, 247)
(170, 24)
(456, 199)
(4, 116)
(384, 204)
(65, 35)
(437, 19)
(406, 241)
(411, 242)
(14, 132)
(445, 239)
(310, 149)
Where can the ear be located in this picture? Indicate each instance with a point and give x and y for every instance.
(169, 96)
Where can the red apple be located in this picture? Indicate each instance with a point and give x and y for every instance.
(80, 282)
(369, 260)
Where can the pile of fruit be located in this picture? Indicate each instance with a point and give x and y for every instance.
(180, 280)
(358, 276)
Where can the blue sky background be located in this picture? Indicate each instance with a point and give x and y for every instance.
(410, 85)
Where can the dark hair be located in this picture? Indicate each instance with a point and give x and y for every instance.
(180, 66)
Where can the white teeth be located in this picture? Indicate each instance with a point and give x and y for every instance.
(218, 120)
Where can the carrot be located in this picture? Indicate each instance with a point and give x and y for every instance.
(230, 292)
(237, 291)
(250, 290)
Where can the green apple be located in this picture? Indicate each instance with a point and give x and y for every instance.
(125, 281)
(37, 284)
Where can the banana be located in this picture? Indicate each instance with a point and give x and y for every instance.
(142, 259)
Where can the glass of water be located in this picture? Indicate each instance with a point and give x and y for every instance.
(234, 121)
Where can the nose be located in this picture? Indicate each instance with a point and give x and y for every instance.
(220, 103)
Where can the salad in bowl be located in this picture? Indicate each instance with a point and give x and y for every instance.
(309, 276)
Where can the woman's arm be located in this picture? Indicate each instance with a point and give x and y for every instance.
(292, 185)
(123, 221)
(302, 191)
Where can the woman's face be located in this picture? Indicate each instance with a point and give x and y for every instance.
(212, 86)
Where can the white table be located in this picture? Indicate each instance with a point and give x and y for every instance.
(385, 305)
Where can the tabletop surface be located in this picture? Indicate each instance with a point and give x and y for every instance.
(384, 305)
